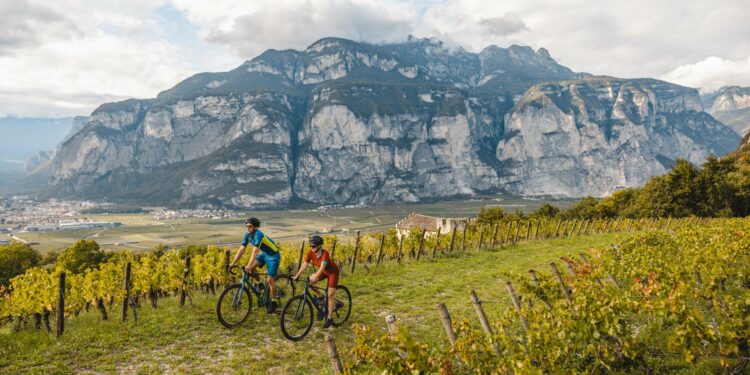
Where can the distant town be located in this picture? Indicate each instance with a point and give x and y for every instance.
(21, 213)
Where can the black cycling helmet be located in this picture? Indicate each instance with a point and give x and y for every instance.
(316, 240)
(253, 221)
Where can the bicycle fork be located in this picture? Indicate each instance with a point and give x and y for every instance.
(238, 297)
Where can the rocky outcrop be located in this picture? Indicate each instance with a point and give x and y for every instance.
(597, 135)
(731, 106)
(345, 123)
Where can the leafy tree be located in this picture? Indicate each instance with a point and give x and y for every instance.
(490, 215)
(618, 204)
(585, 208)
(83, 255)
(15, 259)
(546, 210)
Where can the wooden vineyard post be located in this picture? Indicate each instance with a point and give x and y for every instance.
(301, 253)
(333, 354)
(61, 305)
(437, 239)
(453, 237)
(183, 291)
(494, 236)
(463, 240)
(445, 318)
(482, 317)
(536, 231)
(400, 246)
(356, 249)
(421, 243)
(573, 228)
(517, 305)
(569, 228)
(380, 252)
(528, 230)
(481, 237)
(507, 233)
(557, 229)
(390, 321)
(580, 227)
(226, 261)
(565, 289)
(127, 292)
(333, 249)
(518, 229)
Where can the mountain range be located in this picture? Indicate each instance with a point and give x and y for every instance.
(345, 122)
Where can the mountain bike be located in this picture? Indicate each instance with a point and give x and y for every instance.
(297, 314)
(236, 301)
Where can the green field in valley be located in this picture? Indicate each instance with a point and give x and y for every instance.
(142, 231)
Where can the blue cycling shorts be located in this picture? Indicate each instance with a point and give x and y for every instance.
(273, 262)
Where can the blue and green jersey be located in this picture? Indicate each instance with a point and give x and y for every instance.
(263, 242)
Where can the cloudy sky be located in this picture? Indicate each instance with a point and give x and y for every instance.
(64, 57)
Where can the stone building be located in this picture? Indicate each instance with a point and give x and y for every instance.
(430, 223)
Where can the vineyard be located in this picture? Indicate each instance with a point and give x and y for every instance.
(631, 298)
(34, 295)
(657, 302)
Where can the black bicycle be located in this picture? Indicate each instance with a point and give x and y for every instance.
(236, 301)
(297, 314)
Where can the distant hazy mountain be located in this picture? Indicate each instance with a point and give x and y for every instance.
(344, 122)
(731, 106)
(24, 138)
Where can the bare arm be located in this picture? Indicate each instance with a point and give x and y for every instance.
(253, 255)
(301, 269)
(237, 257)
(316, 276)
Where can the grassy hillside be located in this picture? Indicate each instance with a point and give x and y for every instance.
(190, 339)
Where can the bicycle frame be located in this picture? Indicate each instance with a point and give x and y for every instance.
(306, 294)
(245, 283)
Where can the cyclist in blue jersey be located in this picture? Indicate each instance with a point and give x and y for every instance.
(265, 252)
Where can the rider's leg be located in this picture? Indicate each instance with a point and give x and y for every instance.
(273, 269)
(253, 266)
(271, 286)
(331, 301)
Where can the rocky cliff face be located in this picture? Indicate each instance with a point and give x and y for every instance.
(731, 106)
(596, 135)
(345, 122)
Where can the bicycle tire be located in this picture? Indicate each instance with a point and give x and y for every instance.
(341, 315)
(284, 287)
(290, 311)
(226, 296)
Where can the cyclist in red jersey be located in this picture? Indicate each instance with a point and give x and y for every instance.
(320, 257)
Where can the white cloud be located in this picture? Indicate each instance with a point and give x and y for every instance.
(249, 28)
(712, 74)
(66, 57)
(97, 52)
(506, 25)
(25, 24)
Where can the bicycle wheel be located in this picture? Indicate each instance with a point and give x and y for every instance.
(234, 305)
(284, 288)
(342, 306)
(296, 318)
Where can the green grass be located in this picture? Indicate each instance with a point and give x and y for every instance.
(191, 340)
